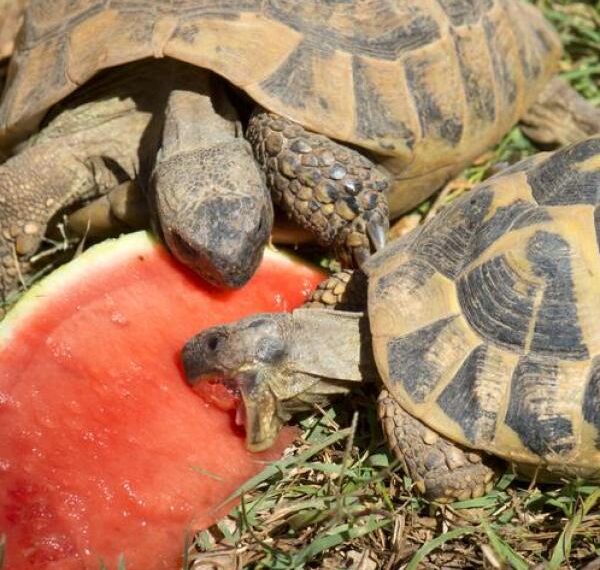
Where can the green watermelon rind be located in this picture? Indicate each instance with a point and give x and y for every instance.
(92, 260)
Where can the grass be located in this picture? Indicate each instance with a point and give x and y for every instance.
(338, 500)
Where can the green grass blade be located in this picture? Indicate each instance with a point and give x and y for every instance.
(334, 537)
(431, 545)
(562, 549)
(207, 473)
(506, 553)
(283, 464)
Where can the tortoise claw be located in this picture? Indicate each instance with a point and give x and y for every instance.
(377, 230)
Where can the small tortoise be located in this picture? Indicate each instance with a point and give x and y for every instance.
(419, 87)
(483, 326)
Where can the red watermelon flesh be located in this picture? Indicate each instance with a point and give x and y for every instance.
(104, 450)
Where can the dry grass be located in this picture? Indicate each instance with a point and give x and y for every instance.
(337, 500)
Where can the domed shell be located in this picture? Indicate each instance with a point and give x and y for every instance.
(486, 321)
(427, 84)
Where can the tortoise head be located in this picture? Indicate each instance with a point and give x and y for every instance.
(215, 211)
(279, 363)
(250, 354)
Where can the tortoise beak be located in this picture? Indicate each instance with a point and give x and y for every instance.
(201, 357)
(261, 418)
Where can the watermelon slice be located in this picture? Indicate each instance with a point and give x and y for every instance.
(105, 452)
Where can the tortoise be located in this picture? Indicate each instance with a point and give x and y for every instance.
(360, 102)
(482, 324)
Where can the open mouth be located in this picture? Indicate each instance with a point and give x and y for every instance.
(255, 406)
(224, 393)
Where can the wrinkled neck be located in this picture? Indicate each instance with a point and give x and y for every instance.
(198, 114)
(332, 345)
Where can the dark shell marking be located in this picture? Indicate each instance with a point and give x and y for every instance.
(532, 410)
(374, 119)
(505, 75)
(494, 306)
(432, 119)
(412, 361)
(556, 329)
(478, 89)
(562, 179)
(500, 303)
(460, 400)
(445, 242)
(461, 13)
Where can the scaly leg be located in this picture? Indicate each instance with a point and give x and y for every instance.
(34, 186)
(442, 470)
(88, 147)
(331, 190)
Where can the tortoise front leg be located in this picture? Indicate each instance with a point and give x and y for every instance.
(34, 186)
(442, 470)
(329, 189)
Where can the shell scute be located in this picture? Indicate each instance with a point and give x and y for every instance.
(439, 111)
(556, 331)
(568, 176)
(497, 302)
(374, 118)
(534, 410)
(415, 352)
(446, 241)
(473, 396)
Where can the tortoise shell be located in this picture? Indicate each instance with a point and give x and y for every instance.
(486, 320)
(425, 85)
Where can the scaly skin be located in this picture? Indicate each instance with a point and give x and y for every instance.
(560, 116)
(75, 158)
(330, 189)
(441, 470)
(343, 291)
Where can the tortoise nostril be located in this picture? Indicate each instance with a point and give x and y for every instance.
(212, 342)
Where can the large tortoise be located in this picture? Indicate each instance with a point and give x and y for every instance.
(420, 87)
(483, 325)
